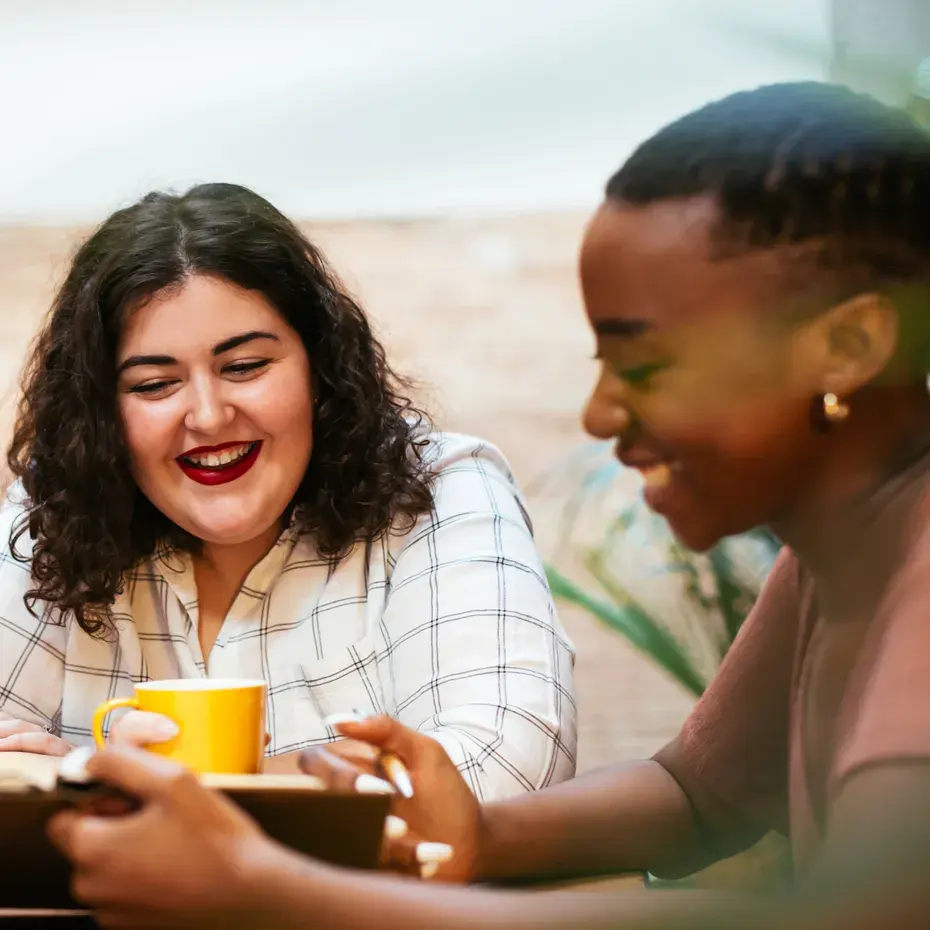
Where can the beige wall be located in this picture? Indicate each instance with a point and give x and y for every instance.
(486, 314)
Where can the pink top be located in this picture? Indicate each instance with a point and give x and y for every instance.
(830, 673)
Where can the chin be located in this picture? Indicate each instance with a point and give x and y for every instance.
(228, 532)
(696, 537)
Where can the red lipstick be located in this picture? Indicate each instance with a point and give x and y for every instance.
(218, 474)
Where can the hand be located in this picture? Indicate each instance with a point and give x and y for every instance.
(139, 728)
(184, 857)
(442, 810)
(135, 728)
(22, 736)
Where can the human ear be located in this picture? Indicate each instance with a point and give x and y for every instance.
(854, 343)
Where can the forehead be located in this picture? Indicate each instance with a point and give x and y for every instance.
(196, 316)
(656, 264)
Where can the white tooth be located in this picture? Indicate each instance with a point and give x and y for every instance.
(227, 455)
(657, 476)
(213, 460)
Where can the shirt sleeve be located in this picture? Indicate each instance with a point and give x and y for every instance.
(731, 757)
(32, 649)
(475, 653)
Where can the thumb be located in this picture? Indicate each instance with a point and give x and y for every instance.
(139, 774)
(140, 728)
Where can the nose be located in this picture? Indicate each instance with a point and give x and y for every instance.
(606, 414)
(209, 411)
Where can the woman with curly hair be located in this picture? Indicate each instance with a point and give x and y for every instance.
(219, 475)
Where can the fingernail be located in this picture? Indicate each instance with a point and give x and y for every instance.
(165, 729)
(72, 766)
(433, 852)
(398, 774)
(333, 720)
(371, 784)
(394, 827)
(429, 870)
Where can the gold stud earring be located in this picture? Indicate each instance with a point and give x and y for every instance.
(834, 409)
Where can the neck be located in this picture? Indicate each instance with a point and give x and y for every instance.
(234, 562)
(887, 433)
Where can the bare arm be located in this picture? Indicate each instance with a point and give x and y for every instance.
(626, 818)
(871, 875)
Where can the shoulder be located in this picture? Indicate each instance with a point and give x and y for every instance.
(15, 564)
(14, 507)
(473, 491)
(470, 473)
(447, 452)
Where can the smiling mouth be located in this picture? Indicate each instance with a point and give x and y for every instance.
(657, 476)
(221, 457)
(220, 464)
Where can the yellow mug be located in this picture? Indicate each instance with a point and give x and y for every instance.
(222, 721)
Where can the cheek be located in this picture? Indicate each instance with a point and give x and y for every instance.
(282, 407)
(733, 388)
(149, 430)
(746, 424)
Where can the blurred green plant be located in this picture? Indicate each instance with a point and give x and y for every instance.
(691, 633)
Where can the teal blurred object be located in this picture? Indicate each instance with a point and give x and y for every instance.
(620, 563)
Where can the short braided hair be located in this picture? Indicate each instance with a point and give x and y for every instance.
(836, 178)
(798, 163)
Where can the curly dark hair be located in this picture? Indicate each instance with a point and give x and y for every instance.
(88, 520)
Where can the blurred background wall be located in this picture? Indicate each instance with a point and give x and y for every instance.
(362, 108)
(443, 155)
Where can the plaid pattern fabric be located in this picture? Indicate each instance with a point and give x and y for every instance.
(449, 627)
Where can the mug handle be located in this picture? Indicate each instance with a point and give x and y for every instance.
(101, 713)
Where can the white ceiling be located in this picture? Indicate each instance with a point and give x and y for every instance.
(365, 107)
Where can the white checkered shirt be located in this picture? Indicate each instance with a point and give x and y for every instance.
(449, 627)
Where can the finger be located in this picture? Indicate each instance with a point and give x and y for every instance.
(141, 728)
(364, 755)
(81, 837)
(395, 828)
(387, 734)
(60, 829)
(36, 741)
(10, 726)
(138, 773)
(93, 843)
(112, 916)
(339, 774)
(398, 849)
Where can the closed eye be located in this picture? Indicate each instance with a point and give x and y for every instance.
(151, 387)
(243, 368)
(641, 374)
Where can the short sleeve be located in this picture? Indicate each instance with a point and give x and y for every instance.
(731, 757)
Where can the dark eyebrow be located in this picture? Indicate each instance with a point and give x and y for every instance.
(626, 328)
(134, 361)
(226, 345)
